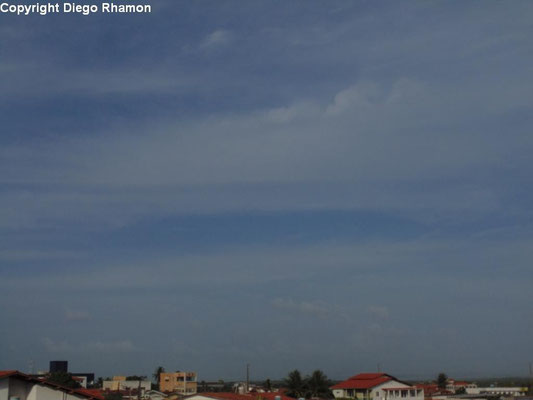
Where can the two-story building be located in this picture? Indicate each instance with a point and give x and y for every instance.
(183, 383)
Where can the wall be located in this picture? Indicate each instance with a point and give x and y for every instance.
(4, 389)
(19, 388)
(12, 387)
(125, 385)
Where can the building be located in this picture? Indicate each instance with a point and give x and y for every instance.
(453, 386)
(154, 395)
(58, 366)
(15, 385)
(83, 378)
(184, 383)
(498, 391)
(376, 386)
(121, 384)
(238, 396)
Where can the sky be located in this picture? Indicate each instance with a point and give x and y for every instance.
(291, 184)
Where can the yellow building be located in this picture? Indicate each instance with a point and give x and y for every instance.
(180, 382)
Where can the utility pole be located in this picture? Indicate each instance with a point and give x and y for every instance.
(530, 391)
(247, 378)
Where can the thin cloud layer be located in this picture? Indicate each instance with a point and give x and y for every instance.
(309, 186)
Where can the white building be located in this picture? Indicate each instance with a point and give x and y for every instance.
(376, 386)
(15, 385)
(498, 391)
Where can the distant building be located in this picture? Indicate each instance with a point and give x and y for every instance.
(184, 383)
(432, 391)
(238, 396)
(376, 386)
(498, 391)
(83, 378)
(15, 385)
(453, 386)
(58, 366)
(119, 384)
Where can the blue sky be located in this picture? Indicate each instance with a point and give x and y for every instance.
(303, 184)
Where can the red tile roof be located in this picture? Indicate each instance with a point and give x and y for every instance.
(94, 393)
(364, 381)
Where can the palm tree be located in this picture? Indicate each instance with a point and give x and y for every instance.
(157, 374)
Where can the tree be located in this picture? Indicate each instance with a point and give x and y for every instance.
(136, 378)
(157, 376)
(63, 379)
(318, 385)
(295, 384)
(442, 380)
(460, 390)
(268, 385)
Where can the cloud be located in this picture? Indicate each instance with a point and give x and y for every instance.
(217, 38)
(380, 312)
(65, 347)
(317, 309)
(77, 315)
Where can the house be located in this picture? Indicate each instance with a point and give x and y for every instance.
(453, 385)
(376, 386)
(432, 391)
(184, 383)
(154, 395)
(15, 385)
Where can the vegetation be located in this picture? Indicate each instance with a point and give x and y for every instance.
(136, 378)
(157, 373)
(442, 380)
(295, 384)
(63, 379)
(157, 376)
(316, 385)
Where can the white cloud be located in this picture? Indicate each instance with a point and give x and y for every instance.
(65, 347)
(381, 312)
(315, 308)
(217, 38)
(77, 315)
